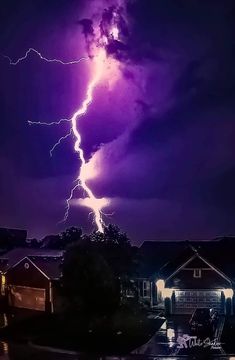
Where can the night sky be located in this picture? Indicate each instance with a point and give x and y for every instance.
(164, 134)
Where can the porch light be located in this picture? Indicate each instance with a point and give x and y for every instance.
(170, 333)
(167, 293)
(228, 293)
(160, 285)
(3, 278)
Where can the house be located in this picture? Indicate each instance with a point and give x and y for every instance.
(9, 238)
(29, 278)
(153, 256)
(175, 276)
(179, 277)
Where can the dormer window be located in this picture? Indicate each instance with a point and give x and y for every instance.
(197, 273)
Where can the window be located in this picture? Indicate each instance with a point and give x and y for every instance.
(145, 288)
(197, 273)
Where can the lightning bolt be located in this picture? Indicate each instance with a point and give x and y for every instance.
(50, 123)
(32, 50)
(94, 203)
(62, 138)
(91, 201)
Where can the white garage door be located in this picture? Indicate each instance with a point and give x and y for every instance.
(27, 297)
(187, 300)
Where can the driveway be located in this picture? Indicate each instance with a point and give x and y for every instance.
(168, 340)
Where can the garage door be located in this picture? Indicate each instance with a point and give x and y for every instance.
(27, 297)
(187, 300)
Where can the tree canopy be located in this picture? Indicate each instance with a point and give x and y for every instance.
(97, 266)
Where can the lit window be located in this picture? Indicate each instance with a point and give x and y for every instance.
(197, 273)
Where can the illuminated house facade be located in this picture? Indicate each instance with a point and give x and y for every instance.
(187, 280)
(195, 283)
(30, 277)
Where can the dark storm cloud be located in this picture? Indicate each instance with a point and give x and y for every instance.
(112, 16)
(88, 31)
(176, 26)
(184, 155)
(87, 26)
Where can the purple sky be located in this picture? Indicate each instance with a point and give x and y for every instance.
(166, 128)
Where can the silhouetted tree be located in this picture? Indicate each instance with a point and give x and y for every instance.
(88, 281)
(34, 243)
(114, 245)
(64, 239)
(110, 251)
(11, 238)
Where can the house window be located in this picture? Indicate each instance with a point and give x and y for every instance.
(197, 273)
(145, 288)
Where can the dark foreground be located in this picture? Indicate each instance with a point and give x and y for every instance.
(36, 339)
(23, 352)
(118, 334)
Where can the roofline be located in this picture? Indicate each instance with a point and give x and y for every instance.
(49, 255)
(216, 239)
(26, 257)
(215, 268)
(207, 262)
(4, 228)
(181, 266)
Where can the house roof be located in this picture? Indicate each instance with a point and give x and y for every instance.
(14, 256)
(155, 254)
(17, 233)
(50, 266)
(163, 258)
(198, 259)
(171, 266)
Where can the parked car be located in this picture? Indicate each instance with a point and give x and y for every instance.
(203, 321)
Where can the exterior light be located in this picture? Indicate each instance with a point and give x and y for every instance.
(160, 285)
(3, 285)
(170, 333)
(167, 293)
(228, 293)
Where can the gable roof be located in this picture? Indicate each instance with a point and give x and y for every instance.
(50, 267)
(155, 254)
(193, 257)
(12, 257)
(164, 256)
(176, 262)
